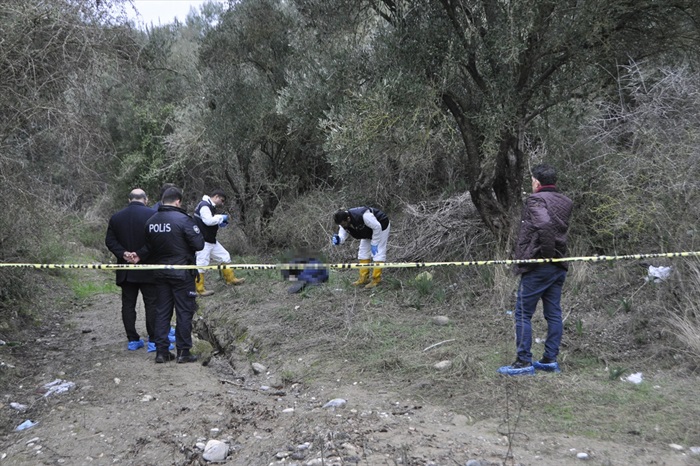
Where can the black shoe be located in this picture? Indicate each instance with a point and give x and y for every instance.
(164, 357)
(188, 358)
(518, 364)
(184, 356)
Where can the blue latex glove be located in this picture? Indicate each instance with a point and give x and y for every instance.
(224, 218)
(223, 224)
(335, 240)
(375, 250)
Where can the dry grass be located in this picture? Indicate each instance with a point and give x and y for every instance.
(441, 230)
(616, 323)
(687, 330)
(378, 337)
(684, 321)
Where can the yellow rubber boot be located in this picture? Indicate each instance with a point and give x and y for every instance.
(364, 274)
(231, 279)
(199, 286)
(376, 277)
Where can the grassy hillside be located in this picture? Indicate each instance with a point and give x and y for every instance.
(616, 324)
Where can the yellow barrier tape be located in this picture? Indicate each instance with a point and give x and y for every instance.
(383, 265)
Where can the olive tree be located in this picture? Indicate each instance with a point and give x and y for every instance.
(263, 151)
(498, 66)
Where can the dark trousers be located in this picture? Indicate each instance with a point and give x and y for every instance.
(130, 294)
(178, 295)
(544, 282)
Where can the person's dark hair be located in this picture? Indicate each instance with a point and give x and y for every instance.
(340, 215)
(165, 188)
(545, 174)
(218, 192)
(171, 195)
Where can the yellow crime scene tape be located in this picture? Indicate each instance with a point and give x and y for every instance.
(383, 265)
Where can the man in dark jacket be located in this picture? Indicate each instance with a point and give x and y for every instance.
(173, 238)
(163, 188)
(543, 235)
(371, 226)
(125, 235)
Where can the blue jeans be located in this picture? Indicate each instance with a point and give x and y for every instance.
(544, 282)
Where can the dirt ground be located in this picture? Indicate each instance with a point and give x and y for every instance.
(125, 409)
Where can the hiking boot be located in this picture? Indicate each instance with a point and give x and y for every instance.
(547, 365)
(134, 345)
(184, 356)
(517, 368)
(164, 357)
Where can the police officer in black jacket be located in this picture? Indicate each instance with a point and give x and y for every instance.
(125, 235)
(173, 238)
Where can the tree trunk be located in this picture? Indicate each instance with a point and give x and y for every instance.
(496, 195)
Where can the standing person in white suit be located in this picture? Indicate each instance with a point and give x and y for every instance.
(209, 222)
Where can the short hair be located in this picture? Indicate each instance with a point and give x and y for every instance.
(218, 192)
(340, 215)
(171, 195)
(545, 174)
(138, 195)
(165, 188)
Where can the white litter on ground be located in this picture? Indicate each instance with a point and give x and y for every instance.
(658, 274)
(58, 386)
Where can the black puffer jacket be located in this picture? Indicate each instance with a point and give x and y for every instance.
(543, 228)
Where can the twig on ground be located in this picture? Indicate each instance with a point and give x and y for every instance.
(231, 382)
(437, 344)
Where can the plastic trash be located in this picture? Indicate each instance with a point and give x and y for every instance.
(25, 425)
(18, 406)
(635, 378)
(658, 274)
(57, 386)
